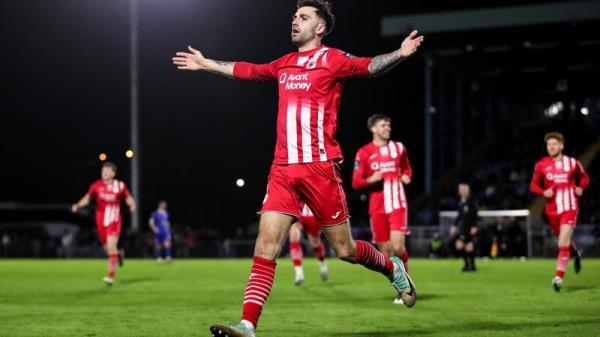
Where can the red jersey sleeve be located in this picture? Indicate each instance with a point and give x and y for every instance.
(359, 180)
(405, 164)
(582, 176)
(534, 186)
(347, 65)
(255, 72)
(92, 190)
(125, 194)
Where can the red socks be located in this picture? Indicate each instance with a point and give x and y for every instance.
(113, 259)
(371, 258)
(562, 260)
(320, 252)
(258, 288)
(404, 258)
(296, 253)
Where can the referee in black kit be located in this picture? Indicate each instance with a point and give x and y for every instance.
(464, 229)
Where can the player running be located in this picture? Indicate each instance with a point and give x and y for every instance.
(161, 227)
(382, 167)
(307, 156)
(311, 225)
(563, 180)
(108, 193)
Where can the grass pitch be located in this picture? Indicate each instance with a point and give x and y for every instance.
(504, 298)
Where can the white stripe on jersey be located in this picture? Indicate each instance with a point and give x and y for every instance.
(559, 201)
(292, 135)
(387, 196)
(573, 163)
(320, 118)
(573, 200)
(395, 196)
(306, 137)
(400, 147)
(393, 151)
(566, 197)
(566, 165)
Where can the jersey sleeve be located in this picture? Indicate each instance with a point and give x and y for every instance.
(125, 193)
(347, 65)
(92, 191)
(582, 176)
(256, 72)
(359, 180)
(534, 186)
(405, 164)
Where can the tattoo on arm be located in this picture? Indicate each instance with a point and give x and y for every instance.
(226, 68)
(223, 63)
(383, 63)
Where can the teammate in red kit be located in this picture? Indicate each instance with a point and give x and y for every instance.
(382, 167)
(561, 180)
(312, 227)
(305, 168)
(108, 193)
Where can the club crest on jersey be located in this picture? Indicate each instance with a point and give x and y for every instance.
(549, 176)
(375, 166)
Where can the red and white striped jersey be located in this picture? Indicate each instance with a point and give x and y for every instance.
(392, 160)
(310, 92)
(562, 176)
(108, 199)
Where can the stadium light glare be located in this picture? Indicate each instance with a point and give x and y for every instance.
(129, 154)
(554, 109)
(585, 111)
(102, 156)
(240, 182)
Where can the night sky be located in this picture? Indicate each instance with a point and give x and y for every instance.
(65, 99)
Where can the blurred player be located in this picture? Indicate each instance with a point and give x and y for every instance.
(307, 156)
(383, 168)
(161, 227)
(464, 229)
(108, 193)
(561, 180)
(312, 227)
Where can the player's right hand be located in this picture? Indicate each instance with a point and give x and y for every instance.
(453, 231)
(190, 61)
(74, 208)
(548, 193)
(376, 177)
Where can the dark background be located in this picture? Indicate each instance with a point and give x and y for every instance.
(64, 96)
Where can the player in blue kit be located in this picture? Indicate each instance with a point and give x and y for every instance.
(159, 223)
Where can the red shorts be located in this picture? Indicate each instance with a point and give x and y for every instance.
(104, 232)
(383, 224)
(310, 225)
(568, 218)
(317, 184)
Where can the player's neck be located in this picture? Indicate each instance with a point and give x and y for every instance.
(309, 45)
(380, 141)
(108, 181)
(558, 157)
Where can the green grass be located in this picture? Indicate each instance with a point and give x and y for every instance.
(504, 298)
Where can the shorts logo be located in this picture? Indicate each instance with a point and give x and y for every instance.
(336, 215)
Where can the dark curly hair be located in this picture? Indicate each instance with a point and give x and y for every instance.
(323, 8)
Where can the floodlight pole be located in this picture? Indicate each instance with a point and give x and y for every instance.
(134, 110)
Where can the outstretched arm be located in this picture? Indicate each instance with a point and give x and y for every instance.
(194, 60)
(383, 63)
(83, 202)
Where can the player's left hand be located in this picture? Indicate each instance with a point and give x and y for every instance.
(578, 191)
(132, 208)
(473, 231)
(411, 44)
(405, 179)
